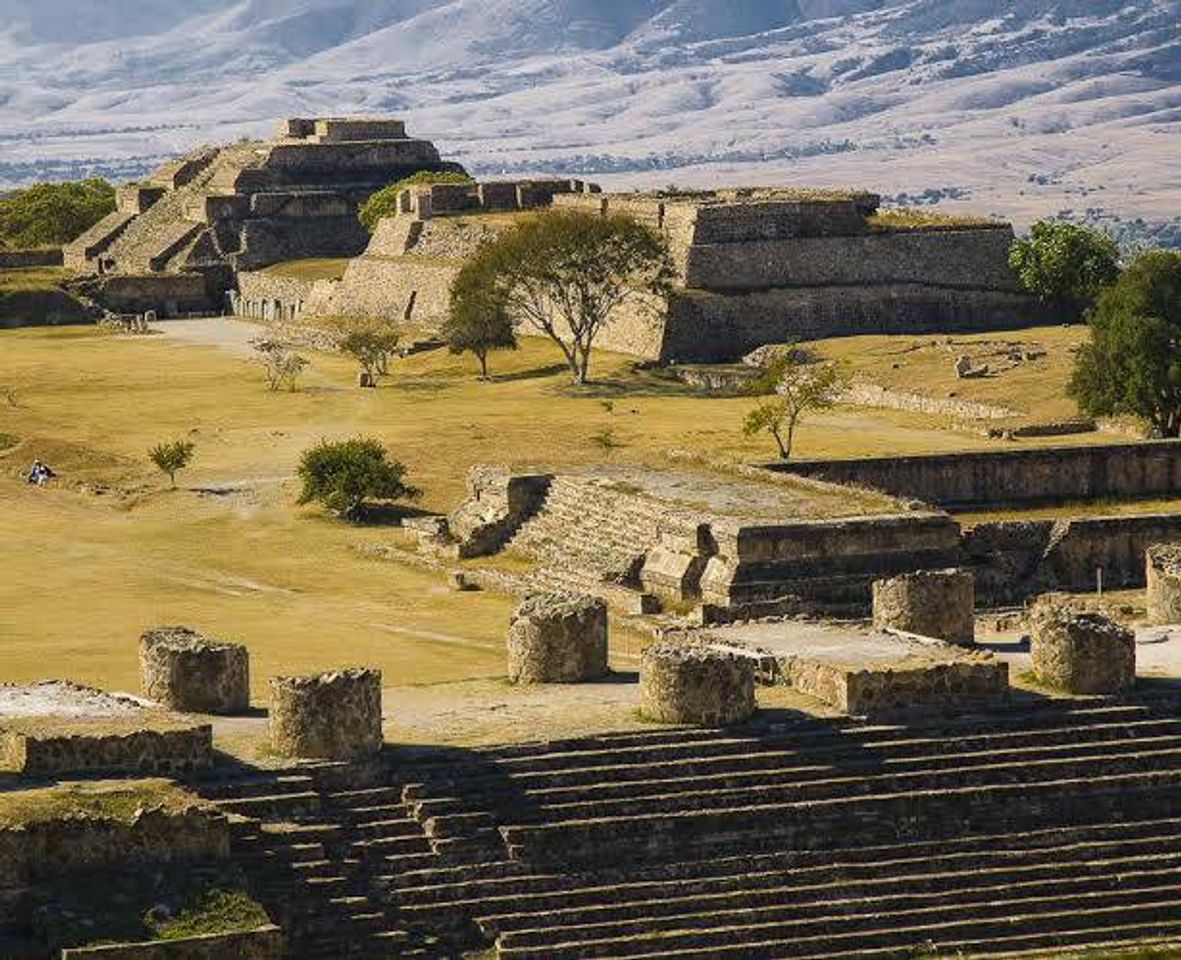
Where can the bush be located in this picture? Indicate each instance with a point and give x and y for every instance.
(172, 457)
(281, 363)
(342, 475)
(50, 214)
(1132, 366)
(384, 203)
(370, 344)
(1065, 263)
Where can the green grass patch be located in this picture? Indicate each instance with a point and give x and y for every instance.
(8, 441)
(32, 279)
(114, 800)
(311, 269)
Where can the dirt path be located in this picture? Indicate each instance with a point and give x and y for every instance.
(229, 333)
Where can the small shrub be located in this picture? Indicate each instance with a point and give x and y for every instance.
(281, 363)
(171, 457)
(371, 346)
(342, 475)
(384, 203)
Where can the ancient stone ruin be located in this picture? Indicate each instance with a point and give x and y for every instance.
(1083, 653)
(1163, 574)
(331, 716)
(688, 683)
(931, 603)
(179, 237)
(185, 670)
(558, 638)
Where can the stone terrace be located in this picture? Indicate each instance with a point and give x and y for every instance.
(1046, 829)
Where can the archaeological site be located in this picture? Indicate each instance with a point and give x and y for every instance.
(581, 669)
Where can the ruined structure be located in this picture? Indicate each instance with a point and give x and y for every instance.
(331, 716)
(184, 670)
(558, 638)
(1083, 653)
(178, 238)
(1163, 575)
(930, 603)
(695, 684)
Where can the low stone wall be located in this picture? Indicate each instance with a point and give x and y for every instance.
(558, 638)
(688, 683)
(169, 294)
(265, 943)
(42, 308)
(180, 750)
(184, 670)
(333, 716)
(1151, 468)
(20, 259)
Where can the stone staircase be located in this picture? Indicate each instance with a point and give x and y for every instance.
(1044, 830)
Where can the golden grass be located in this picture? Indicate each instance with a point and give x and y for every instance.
(312, 269)
(230, 554)
(115, 800)
(24, 279)
(923, 218)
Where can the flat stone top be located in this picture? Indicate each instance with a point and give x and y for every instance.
(65, 700)
(849, 646)
(740, 497)
(184, 638)
(740, 195)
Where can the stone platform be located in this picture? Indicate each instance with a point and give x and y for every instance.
(56, 727)
(863, 671)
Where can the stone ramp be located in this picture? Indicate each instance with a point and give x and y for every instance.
(1041, 830)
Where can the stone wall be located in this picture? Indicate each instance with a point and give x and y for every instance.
(333, 716)
(175, 749)
(42, 308)
(1013, 475)
(20, 259)
(265, 943)
(169, 294)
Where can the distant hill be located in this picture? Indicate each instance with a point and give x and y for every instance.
(1017, 106)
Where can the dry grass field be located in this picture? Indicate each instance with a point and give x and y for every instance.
(108, 550)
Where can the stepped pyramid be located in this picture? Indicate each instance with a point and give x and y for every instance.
(197, 220)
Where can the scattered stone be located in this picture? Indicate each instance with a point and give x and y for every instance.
(1163, 575)
(187, 671)
(931, 603)
(695, 684)
(558, 638)
(457, 580)
(331, 716)
(1083, 653)
(963, 366)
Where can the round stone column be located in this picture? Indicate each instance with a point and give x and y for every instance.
(1163, 575)
(558, 638)
(330, 716)
(693, 684)
(1082, 652)
(931, 603)
(187, 671)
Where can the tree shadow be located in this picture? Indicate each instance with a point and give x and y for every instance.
(535, 373)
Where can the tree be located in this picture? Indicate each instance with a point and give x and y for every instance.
(384, 203)
(1132, 366)
(281, 363)
(50, 214)
(791, 387)
(1065, 262)
(171, 457)
(478, 320)
(342, 475)
(566, 272)
(371, 346)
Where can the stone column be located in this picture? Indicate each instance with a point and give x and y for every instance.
(694, 684)
(331, 716)
(932, 603)
(558, 638)
(187, 671)
(1082, 652)
(1163, 575)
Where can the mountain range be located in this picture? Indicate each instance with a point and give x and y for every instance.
(1020, 107)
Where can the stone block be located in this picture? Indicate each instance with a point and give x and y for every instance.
(1163, 576)
(331, 716)
(558, 638)
(1083, 653)
(931, 603)
(184, 670)
(695, 684)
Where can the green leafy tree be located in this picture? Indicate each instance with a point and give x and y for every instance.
(478, 320)
(50, 214)
(1132, 366)
(565, 273)
(384, 203)
(371, 346)
(1065, 263)
(343, 474)
(172, 457)
(791, 387)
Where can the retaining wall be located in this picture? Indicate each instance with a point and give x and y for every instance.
(265, 943)
(18, 259)
(1152, 468)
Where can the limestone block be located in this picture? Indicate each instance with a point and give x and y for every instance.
(931, 603)
(187, 671)
(695, 684)
(1163, 575)
(558, 638)
(1083, 653)
(332, 716)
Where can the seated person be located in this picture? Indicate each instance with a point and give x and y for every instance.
(40, 472)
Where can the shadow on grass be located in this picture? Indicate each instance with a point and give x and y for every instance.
(386, 514)
(537, 373)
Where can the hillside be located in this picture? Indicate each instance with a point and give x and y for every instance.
(1013, 107)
